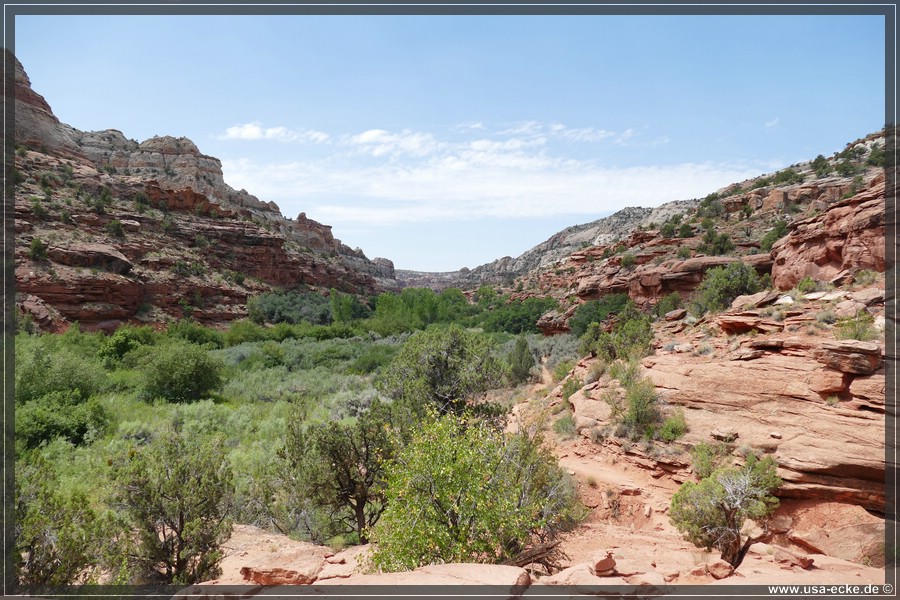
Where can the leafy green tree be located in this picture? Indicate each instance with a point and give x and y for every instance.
(685, 231)
(721, 285)
(668, 230)
(517, 316)
(441, 367)
(667, 304)
(180, 372)
(339, 467)
(595, 311)
(462, 491)
(176, 493)
(712, 513)
(630, 337)
(521, 361)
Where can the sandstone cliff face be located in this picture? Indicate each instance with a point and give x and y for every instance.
(149, 231)
(848, 236)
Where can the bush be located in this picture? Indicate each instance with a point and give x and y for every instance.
(673, 427)
(712, 513)
(176, 492)
(114, 228)
(858, 327)
(59, 414)
(43, 368)
(595, 311)
(684, 252)
(572, 385)
(628, 260)
(715, 244)
(562, 369)
(37, 250)
(180, 372)
(565, 425)
(242, 331)
(706, 458)
(779, 231)
(518, 316)
(443, 368)
(57, 533)
(290, 307)
(124, 340)
(685, 231)
(463, 492)
(807, 285)
(667, 304)
(631, 336)
(667, 230)
(821, 166)
(195, 334)
(721, 285)
(642, 410)
(521, 361)
(352, 491)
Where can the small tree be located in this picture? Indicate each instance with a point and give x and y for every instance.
(177, 494)
(443, 368)
(521, 361)
(712, 513)
(37, 250)
(340, 468)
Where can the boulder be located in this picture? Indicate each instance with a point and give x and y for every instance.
(720, 569)
(790, 559)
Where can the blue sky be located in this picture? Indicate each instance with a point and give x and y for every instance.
(449, 141)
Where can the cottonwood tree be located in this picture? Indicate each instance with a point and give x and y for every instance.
(712, 513)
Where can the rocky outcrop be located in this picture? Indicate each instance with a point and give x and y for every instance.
(848, 236)
(150, 231)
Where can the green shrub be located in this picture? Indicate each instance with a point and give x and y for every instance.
(290, 307)
(176, 491)
(565, 425)
(667, 304)
(642, 408)
(721, 285)
(712, 513)
(242, 331)
(807, 285)
(821, 166)
(461, 491)
(196, 334)
(521, 361)
(572, 385)
(779, 231)
(706, 458)
(858, 327)
(595, 311)
(180, 372)
(684, 252)
(59, 414)
(37, 250)
(685, 231)
(562, 369)
(673, 427)
(628, 260)
(877, 157)
(114, 228)
(441, 368)
(124, 340)
(631, 335)
(43, 367)
(668, 230)
(373, 358)
(57, 533)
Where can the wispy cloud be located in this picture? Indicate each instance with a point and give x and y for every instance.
(772, 123)
(255, 131)
(529, 170)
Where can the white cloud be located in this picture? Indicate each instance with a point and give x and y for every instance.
(383, 177)
(255, 131)
(772, 123)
